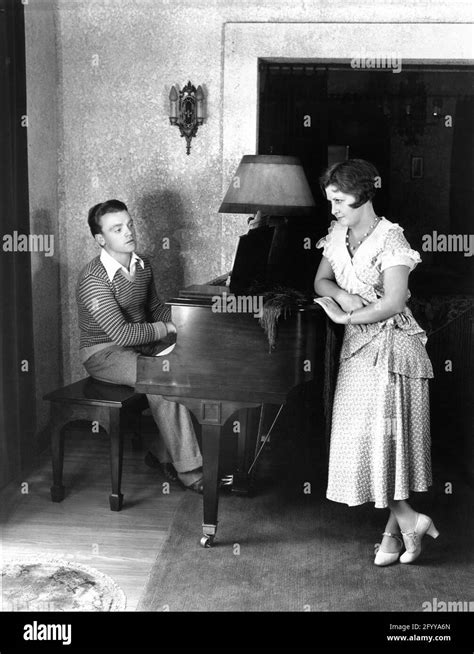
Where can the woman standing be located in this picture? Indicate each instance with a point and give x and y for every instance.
(380, 440)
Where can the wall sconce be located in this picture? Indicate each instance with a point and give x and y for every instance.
(187, 111)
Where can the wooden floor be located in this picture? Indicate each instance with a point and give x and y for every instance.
(121, 544)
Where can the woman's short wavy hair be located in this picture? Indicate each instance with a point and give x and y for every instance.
(355, 177)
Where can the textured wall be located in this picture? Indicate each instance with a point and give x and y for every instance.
(43, 129)
(117, 60)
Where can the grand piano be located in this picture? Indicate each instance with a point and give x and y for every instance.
(221, 366)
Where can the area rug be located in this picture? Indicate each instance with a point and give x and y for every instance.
(42, 584)
(286, 551)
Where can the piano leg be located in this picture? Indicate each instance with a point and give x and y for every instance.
(211, 435)
(212, 416)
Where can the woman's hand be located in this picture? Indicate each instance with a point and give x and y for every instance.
(332, 309)
(349, 302)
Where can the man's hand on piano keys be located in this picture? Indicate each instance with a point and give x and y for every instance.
(157, 347)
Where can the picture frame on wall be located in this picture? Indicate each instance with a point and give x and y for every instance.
(416, 167)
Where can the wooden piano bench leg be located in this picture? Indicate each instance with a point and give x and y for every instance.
(58, 493)
(116, 459)
(58, 429)
(116, 501)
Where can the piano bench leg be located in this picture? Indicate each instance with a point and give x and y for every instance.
(116, 459)
(116, 501)
(57, 493)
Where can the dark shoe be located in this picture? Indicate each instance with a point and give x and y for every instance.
(197, 486)
(167, 469)
(225, 483)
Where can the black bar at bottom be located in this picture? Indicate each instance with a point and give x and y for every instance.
(171, 631)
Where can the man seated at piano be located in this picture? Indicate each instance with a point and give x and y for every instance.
(119, 311)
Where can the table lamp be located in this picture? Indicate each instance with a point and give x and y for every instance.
(273, 184)
(274, 188)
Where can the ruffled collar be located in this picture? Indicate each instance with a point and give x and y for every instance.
(375, 239)
(382, 228)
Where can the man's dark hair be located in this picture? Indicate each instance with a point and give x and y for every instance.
(99, 210)
(355, 177)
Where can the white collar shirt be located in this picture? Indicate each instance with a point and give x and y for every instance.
(111, 265)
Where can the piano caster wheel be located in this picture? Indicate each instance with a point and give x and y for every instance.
(206, 541)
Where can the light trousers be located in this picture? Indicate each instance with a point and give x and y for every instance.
(176, 441)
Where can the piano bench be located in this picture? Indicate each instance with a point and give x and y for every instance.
(115, 408)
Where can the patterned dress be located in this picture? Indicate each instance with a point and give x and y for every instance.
(380, 439)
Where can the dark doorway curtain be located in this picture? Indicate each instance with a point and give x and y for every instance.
(293, 118)
(303, 108)
(293, 122)
(17, 392)
(462, 187)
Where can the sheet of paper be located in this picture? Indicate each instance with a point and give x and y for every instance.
(165, 351)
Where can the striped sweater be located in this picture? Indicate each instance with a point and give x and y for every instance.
(121, 312)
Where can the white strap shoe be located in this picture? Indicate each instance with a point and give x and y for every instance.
(387, 558)
(412, 539)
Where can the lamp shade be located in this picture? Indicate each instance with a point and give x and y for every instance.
(274, 184)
